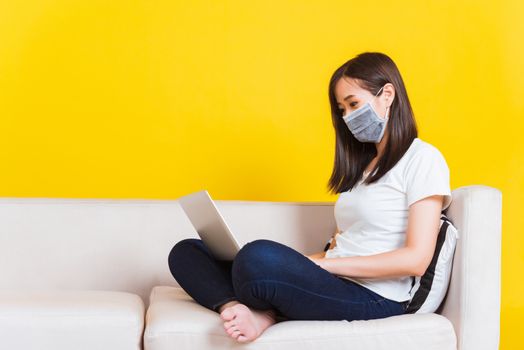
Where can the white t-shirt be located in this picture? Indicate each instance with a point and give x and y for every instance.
(373, 218)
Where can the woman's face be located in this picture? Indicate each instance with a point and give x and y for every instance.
(350, 96)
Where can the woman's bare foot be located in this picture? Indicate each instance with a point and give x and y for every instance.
(245, 324)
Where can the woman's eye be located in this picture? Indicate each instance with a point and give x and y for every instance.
(353, 104)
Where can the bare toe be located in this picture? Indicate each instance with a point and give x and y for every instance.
(248, 324)
(243, 339)
(229, 324)
(227, 314)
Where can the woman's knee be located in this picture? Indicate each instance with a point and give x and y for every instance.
(259, 250)
(181, 249)
(258, 257)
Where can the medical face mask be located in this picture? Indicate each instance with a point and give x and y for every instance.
(365, 124)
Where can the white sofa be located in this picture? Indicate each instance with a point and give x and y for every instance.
(93, 274)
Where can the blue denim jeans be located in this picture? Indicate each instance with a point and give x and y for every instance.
(269, 275)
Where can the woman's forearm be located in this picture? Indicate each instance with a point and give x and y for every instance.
(396, 263)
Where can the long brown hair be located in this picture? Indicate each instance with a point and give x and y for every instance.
(371, 70)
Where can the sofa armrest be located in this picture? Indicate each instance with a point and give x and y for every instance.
(472, 302)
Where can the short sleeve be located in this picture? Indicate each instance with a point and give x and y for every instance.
(427, 174)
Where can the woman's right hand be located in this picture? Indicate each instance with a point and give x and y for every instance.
(331, 246)
(317, 255)
(334, 241)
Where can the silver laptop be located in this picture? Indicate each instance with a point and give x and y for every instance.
(210, 225)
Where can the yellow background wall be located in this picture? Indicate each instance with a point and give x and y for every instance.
(156, 99)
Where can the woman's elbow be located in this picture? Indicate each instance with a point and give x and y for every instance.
(419, 260)
(420, 268)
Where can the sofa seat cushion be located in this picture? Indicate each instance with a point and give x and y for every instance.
(175, 321)
(71, 319)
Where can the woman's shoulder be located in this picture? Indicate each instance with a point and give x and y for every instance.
(422, 148)
(424, 152)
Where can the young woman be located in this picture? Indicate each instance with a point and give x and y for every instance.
(393, 187)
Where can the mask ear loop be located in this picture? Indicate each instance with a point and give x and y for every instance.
(378, 92)
(387, 108)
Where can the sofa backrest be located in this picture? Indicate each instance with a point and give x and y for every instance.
(124, 245)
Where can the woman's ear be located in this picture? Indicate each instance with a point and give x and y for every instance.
(389, 93)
